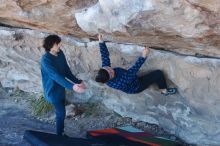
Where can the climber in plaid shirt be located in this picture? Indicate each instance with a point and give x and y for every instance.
(127, 80)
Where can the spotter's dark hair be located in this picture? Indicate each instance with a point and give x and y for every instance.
(49, 41)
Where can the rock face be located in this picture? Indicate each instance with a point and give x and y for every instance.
(46, 15)
(192, 114)
(180, 30)
(185, 26)
(189, 26)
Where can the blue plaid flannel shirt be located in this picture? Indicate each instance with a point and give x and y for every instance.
(124, 80)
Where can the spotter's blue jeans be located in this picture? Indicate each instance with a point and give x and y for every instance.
(60, 115)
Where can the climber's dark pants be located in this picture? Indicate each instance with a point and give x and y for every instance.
(156, 76)
(60, 115)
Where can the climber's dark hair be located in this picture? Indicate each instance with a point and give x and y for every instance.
(102, 76)
(49, 41)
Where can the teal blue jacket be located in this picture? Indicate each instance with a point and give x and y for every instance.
(55, 71)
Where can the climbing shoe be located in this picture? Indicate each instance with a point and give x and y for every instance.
(170, 91)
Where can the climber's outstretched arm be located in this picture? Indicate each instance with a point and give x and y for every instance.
(104, 52)
(135, 68)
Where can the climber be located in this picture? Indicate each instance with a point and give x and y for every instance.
(127, 80)
(55, 72)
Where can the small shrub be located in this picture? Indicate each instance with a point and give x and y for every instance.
(41, 106)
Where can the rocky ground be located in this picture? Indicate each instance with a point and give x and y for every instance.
(16, 114)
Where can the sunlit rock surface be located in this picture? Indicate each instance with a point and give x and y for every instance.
(185, 26)
(192, 114)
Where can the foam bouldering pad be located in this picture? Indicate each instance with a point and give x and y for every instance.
(117, 140)
(131, 134)
(37, 138)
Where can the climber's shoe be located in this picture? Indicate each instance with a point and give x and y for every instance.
(169, 91)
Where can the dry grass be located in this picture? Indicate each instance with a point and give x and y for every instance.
(41, 106)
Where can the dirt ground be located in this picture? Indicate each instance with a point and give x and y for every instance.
(16, 114)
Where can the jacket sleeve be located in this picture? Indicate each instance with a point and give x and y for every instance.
(104, 54)
(47, 66)
(69, 74)
(135, 68)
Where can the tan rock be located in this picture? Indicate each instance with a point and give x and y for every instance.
(185, 26)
